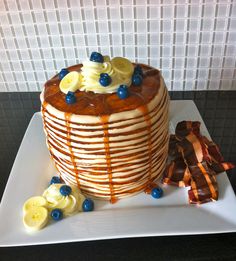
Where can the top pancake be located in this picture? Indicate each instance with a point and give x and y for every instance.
(94, 104)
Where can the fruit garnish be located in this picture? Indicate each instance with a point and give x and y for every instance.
(65, 190)
(70, 98)
(122, 66)
(157, 192)
(36, 201)
(105, 79)
(55, 180)
(123, 92)
(88, 205)
(56, 214)
(71, 82)
(63, 72)
(35, 218)
(96, 57)
(106, 58)
(137, 79)
(138, 70)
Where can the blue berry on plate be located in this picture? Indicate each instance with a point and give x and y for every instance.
(104, 79)
(123, 92)
(56, 214)
(88, 205)
(55, 180)
(70, 98)
(63, 73)
(138, 70)
(65, 190)
(157, 192)
(96, 57)
(137, 79)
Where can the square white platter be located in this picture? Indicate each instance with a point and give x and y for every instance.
(138, 216)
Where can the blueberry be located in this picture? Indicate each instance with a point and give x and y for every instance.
(57, 214)
(88, 205)
(104, 75)
(55, 180)
(63, 73)
(137, 79)
(123, 92)
(157, 192)
(65, 190)
(138, 70)
(96, 57)
(70, 98)
(104, 79)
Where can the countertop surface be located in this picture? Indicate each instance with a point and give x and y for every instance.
(218, 110)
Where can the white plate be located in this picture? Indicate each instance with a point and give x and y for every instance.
(138, 216)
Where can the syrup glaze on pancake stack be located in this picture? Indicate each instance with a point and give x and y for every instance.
(109, 147)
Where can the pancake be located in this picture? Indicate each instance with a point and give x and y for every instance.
(111, 148)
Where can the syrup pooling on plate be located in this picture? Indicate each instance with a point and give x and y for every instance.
(118, 145)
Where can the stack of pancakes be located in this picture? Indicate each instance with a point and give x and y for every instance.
(109, 153)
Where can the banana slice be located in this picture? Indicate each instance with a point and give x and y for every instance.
(71, 82)
(37, 201)
(35, 218)
(106, 58)
(122, 66)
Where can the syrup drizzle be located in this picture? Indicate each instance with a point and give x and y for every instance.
(147, 118)
(44, 105)
(67, 120)
(104, 120)
(99, 104)
(89, 103)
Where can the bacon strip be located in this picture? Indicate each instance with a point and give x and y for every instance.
(196, 162)
(203, 184)
(216, 161)
(172, 146)
(213, 150)
(177, 174)
(184, 128)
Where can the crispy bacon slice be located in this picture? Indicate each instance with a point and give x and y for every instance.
(220, 167)
(177, 174)
(216, 161)
(203, 184)
(213, 150)
(184, 128)
(173, 145)
(195, 162)
(193, 149)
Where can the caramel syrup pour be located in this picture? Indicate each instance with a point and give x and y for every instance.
(104, 120)
(67, 119)
(146, 116)
(44, 105)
